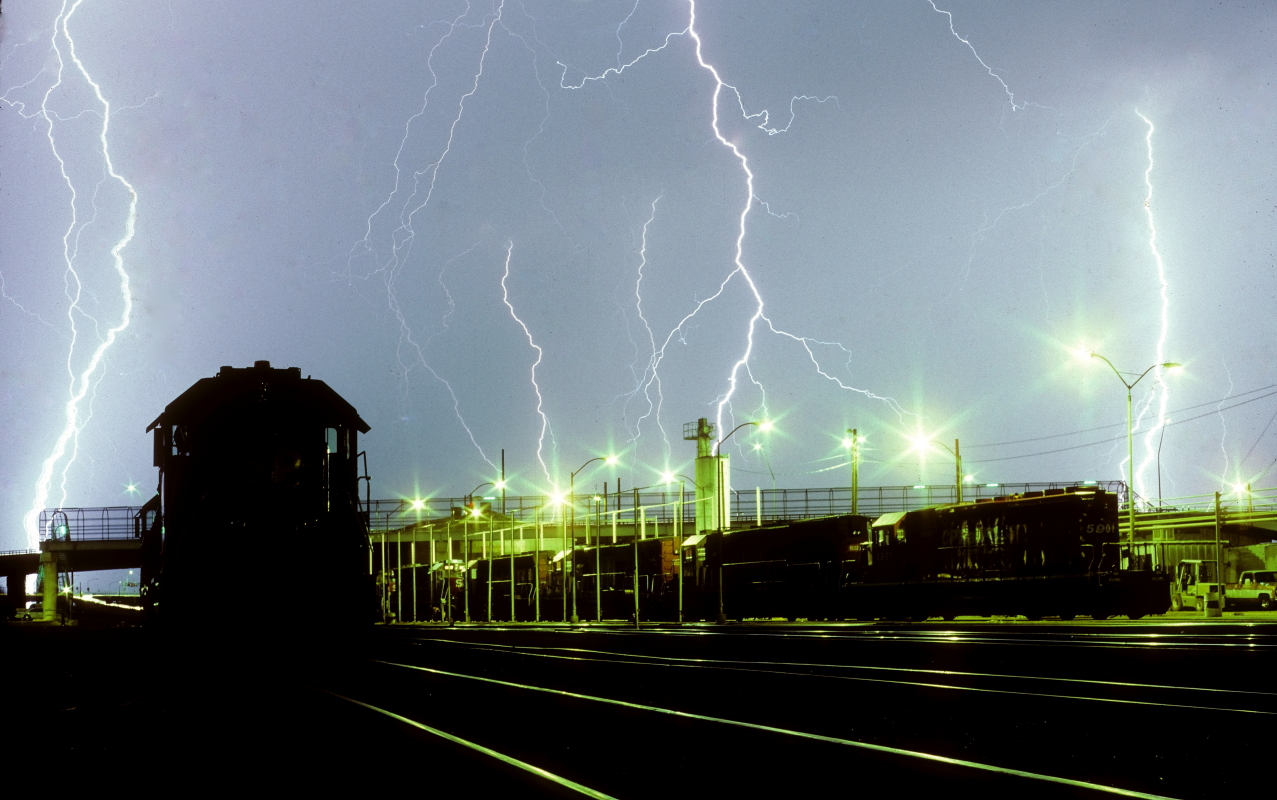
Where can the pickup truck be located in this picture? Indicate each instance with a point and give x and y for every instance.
(1255, 586)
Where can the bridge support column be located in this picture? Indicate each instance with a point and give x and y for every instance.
(49, 569)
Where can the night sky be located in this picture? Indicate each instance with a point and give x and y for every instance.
(516, 226)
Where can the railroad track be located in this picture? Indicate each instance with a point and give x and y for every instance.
(616, 710)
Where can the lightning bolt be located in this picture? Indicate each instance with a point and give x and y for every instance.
(545, 421)
(643, 384)
(413, 197)
(750, 197)
(1160, 393)
(1010, 94)
(1223, 434)
(82, 380)
(742, 366)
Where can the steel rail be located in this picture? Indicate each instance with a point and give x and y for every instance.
(487, 751)
(730, 666)
(916, 754)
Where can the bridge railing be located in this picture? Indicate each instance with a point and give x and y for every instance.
(107, 522)
(746, 506)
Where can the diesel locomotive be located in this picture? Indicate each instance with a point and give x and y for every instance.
(261, 465)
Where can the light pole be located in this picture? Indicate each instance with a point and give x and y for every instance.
(1130, 446)
(852, 443)
(470, 497)
(720, 490)
(477, 511)
(956, 451)
(678, 534)
(598, 573)
(572, 507)
(957, 468)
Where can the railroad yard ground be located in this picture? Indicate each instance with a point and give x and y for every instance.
(1175, 705)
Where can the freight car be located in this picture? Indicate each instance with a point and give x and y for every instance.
(1053, 553)
(257, 461)
(793, 571)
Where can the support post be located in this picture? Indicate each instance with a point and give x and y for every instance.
(678, 548)
(487, 556)
(49, 565)
(536, 567)
(1215, 603)
(598, 564)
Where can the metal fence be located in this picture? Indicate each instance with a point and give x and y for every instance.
(746, 506)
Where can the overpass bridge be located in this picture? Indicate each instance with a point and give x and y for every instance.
(87, 539)
(76, 540)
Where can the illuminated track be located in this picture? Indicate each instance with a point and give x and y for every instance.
(1251, 637)
(763, 737)
(1095, 707)
(1162, 695)
(533, 770)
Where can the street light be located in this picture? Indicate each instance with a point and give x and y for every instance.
(764, 426)
(1130, 445)
(470, 497)
(667, 478)
(852, 443)
(572, 505)
(922, 442)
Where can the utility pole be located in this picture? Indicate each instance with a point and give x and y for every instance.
(853, 444)
(1217, 608)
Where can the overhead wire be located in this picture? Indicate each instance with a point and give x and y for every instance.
(1112, 439)
(1270, 389)
(1120, 424)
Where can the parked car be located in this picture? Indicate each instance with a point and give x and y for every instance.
(36, 611)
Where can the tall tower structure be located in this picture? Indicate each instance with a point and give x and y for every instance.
(708, 473)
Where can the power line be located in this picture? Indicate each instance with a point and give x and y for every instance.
(1257, 440)
(1119, 438)
(1120, 424)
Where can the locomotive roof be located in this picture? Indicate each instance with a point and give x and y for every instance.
(1030, 498)
(890, 518)
(283, 388)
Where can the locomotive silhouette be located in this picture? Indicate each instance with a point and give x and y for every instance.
(257, 465)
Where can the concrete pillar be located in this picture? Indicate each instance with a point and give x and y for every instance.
(49, 569)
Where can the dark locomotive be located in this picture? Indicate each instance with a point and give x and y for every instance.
(1053, 553)
(257, 461)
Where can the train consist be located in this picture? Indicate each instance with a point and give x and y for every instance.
(1053, 553)
(256, 460)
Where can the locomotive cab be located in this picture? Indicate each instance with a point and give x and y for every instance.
(257, 461)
